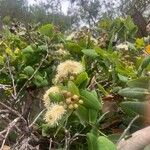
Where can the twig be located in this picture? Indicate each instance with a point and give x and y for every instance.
(36, 118)
(67, 139)
(13, 111)
(4, 111)
(10, 109)
(3, 143)
(75, 137)
(9, 121)
(9, 128)
(50, 144)
(100, 119)
(2, 132)
(14, 95)
(2, 69)
(5, 87)
(127, 129)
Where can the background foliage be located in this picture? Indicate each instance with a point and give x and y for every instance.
(112, 90)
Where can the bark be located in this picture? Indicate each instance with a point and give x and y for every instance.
(140, 21)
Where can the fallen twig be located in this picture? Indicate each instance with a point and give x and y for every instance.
(34, 121)
(8, 130)
(127, 129)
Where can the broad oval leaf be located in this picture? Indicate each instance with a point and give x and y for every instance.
(92, 141)
(144, 64)
(134, 108)
(135, 93)
(28, 50)
(90, 100)
(28, 70)
(73, 88)
(56, 97)
(90, 53)
(82, 114)
(47, 30)
(105, 144)
(73, 47)
(81, 78)
(142, 82)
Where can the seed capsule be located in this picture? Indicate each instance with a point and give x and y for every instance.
(76, 97)
(68, 100)
(70, 106)
(80, 101)
(76, 106)
(69, 94)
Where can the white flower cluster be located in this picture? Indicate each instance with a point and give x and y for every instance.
(46, 98)
(67, 69)
(122, 47)
(54, 114)
(56, 111)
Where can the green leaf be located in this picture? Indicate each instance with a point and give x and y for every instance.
(101, 52)
(114, 137)
(86, 115)
(95, 94)
(9, 52)
(90, 100)
(45, 130)
(73, 88)
(122, 78)
(90, 52)
(28, 50)
(81, 78)
(47, 30)
(56, 97)
(82, 114)
(39, 81)
(142, 82)
(93, 114)
(136, 93)
(139, 42)
(105, 144)
(92, 141)
(28, 70)
(1, 60)
(73, 47)
(101, 88)
(133, 108)
(144, 64)
(105, 24)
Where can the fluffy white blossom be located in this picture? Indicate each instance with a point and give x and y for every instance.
(122, 47)
(54, 114)
(46, 98)
(67, 68)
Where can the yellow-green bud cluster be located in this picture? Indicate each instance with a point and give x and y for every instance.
(72, 101)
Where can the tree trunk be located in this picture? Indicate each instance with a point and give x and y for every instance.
(140, 21)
